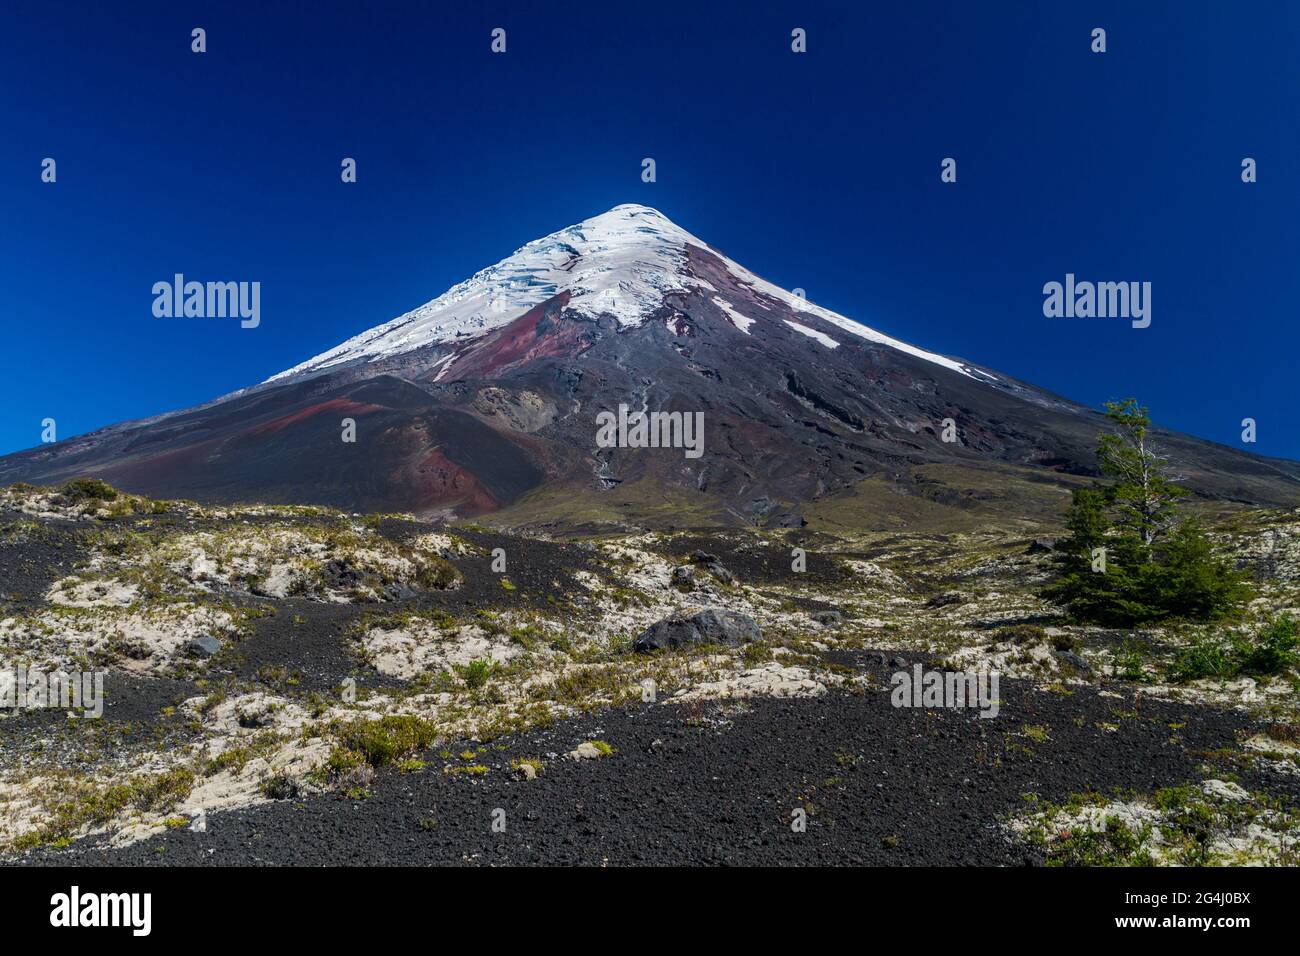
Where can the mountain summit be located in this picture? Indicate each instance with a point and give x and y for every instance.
(488, 399)
(622, 263)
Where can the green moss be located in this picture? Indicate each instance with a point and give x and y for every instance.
(469, 770)
(1035, 732)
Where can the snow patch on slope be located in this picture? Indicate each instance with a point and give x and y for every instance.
(740, 321)
(821, 337)
(799, 304)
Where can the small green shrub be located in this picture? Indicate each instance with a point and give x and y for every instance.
(1117, 845)
(476, 673)
(1271, 650)
(436, 574)
(1274, 647)
(1208, 656)
(88, 489)
(165, 789)
(1021, 634)
(280, 787)
(1130, 661)
(380, 742)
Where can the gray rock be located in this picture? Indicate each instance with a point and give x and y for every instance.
(710, 626)
(1075, 661)
(204, 646)
(683, 576)
(946, 598)
(721, 573)
(711, 563)
(1041, 545)
(668, 633)
(727, 627)
(828, 618)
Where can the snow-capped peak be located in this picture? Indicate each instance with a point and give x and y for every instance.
(620, 263)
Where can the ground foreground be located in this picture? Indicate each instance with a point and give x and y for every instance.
(298, 685)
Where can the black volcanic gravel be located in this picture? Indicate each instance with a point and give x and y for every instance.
(714, 784)
(28, 567)
(757, 564)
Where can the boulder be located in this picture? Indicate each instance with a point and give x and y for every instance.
(721, 573)
(727, 627)
(710, 626)
(1075, 661)
(830, 618)
(203, 646)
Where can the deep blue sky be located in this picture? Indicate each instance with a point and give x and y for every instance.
(818, 171)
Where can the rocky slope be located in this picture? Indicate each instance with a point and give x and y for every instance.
(323, 687)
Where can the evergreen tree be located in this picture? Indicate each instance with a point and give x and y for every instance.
(1153, 564)
(1145, 499)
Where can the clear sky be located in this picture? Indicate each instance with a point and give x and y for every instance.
(818, 170)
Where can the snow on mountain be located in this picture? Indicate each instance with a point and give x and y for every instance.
(620, 263)
(821, 337)
(740, 321)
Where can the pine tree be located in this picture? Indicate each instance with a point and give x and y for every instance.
(1144, 497)
(1156, 563)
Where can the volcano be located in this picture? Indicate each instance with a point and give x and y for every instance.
(486, 400)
